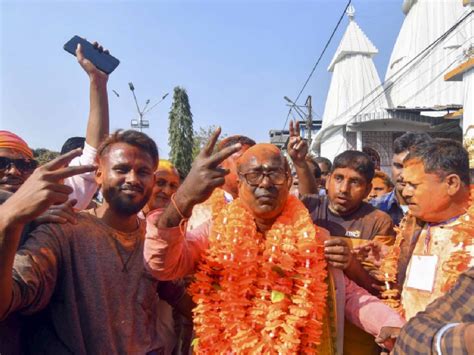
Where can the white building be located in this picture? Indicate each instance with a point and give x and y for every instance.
(362, 113)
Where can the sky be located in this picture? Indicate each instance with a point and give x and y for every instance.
(236, 59)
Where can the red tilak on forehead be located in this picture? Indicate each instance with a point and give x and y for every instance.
(259, 152)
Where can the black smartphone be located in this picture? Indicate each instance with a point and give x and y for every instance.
(101, 60)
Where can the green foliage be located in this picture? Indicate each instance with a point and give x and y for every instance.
(43, 155)
(202, 136)
(181, 131)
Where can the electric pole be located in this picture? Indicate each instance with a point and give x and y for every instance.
(308, 117)
(309, 120)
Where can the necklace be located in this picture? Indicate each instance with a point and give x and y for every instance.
(117, 245)
(261, 293)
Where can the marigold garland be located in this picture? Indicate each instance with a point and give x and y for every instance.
(458, 262)
(261, 293)
(216, 202)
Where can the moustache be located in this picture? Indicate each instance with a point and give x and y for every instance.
(129, 187)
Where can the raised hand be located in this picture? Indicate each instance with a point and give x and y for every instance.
(204, 177)
(44, 188)
(206, 174)
(88, 66)
(297, 146)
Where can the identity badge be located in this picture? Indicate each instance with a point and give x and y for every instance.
(422, 272)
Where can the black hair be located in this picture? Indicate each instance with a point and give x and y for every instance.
(408, 140)
(355, 160)
(134, 138)
(72, 143)
(311, 160)
(442, 156)
(227, 142)
(323, 160)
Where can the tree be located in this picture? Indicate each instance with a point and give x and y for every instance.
(181, 131)
(202, 136)
(43, 155)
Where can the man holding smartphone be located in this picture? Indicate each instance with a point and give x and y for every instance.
(17, 164)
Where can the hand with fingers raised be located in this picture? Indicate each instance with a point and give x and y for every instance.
(297, 146)
(89, 67)
(44, 188)
(205, 175)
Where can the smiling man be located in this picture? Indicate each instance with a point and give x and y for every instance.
(88, 276)
(167, 183)
(258, 262)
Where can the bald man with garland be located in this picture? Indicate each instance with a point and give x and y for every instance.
(261, 278)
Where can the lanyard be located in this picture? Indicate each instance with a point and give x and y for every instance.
(428, 231)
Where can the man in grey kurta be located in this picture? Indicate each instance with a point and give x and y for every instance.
(88, 277)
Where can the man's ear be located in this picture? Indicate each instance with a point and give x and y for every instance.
(326, 184)
(453, 183)
(290, 181)
(99, 175)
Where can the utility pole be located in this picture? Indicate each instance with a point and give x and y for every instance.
(309, 119)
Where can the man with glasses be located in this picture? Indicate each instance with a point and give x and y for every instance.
(264, 211)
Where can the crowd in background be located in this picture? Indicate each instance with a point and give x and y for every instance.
(108, 249)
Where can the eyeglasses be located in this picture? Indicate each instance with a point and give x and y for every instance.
(24, 165)
(255, 178)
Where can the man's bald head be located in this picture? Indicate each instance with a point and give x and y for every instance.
(262, 151)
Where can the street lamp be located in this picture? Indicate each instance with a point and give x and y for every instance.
(141, 123)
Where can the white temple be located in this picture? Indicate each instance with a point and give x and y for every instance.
(363, 113)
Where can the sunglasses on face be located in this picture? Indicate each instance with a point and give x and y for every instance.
(24, 165)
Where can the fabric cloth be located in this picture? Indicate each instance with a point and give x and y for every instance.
(170, 255)
(388, 203)
(437, 242)
(202, 213)
(457, 305)
(365, 223)
(10, 140)
(75, 274)
(84, 185)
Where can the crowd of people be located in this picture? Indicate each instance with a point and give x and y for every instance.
(108, 249)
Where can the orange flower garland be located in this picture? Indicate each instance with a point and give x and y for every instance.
(458, 262)
(261, 293)
(216, 202)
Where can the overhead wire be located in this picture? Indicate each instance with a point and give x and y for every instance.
(421, 56)
(318, 60)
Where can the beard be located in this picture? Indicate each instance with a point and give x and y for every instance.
(123, 204)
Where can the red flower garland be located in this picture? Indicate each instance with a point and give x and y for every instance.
(261, 293)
